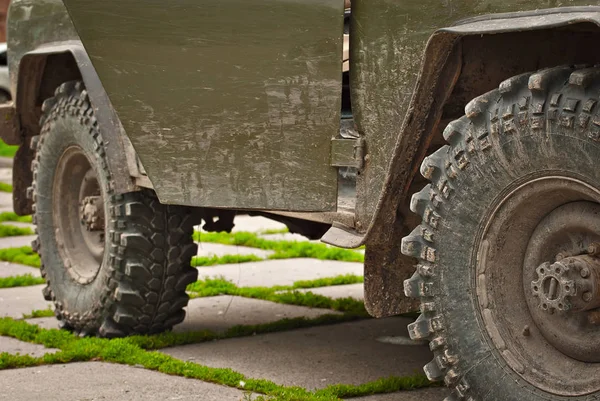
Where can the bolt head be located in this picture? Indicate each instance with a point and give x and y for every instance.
(587, 296)
(585, 272)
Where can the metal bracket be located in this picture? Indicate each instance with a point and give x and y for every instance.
(347, 152)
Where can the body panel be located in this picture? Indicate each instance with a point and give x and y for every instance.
(228, 103)
(449, 59)
(387, 51)
(39, 30)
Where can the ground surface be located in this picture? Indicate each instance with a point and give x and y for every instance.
(353, 352)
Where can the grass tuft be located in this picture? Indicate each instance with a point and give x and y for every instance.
(20, 281)
(11, 216)
(23, 255)
(282, 249)
(270, 231)
(37, 313)
(7, 150)
(4, 187)
(203, 261)
(7, 230)
(284, 294)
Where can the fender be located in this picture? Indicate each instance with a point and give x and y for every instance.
(453, 57)
(31, 90)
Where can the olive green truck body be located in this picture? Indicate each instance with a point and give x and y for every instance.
(237, 105)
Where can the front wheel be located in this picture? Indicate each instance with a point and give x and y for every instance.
(509, 245)
(114, 264)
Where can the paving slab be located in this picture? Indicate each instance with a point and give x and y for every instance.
(13, 346)
(285, 237)
(14, 302)
(95, 381)
(256, 224)
(6, 203)
(356, 291)
(222, 312)
(428, 394)
(6, 175)
(44, 322)
(210, 249)
(280, 271)
(13, 269)
(312, 358)
(16, 242)
(6, 162)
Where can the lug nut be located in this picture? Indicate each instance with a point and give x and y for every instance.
(594, 248)
(585, 272)
(560, 256)
(587, 296)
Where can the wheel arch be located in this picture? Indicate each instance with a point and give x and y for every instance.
(460, 63)
(40, 72)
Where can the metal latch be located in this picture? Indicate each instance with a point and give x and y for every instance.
(347, 152)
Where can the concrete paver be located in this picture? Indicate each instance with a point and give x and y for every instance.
(285, 237)
(428, 394)
(210, 249)
(6, 163)
(222, 312)
(280, 272)
(44, 322)
(346, 353)
(6, 175)
(13, 269)
(6, 203)
(14, 302)
(16, 242)
(356, 291)
(13, 346)
(103, 381)
(256, 224)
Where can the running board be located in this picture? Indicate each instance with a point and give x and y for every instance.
(343, 237)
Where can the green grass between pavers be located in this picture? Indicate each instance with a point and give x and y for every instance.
(130, 351)
(4, 187)
(282, 249)
(20, 281)
(23, 255)
(36, 313)
(7, 150)
(203, 261)
(270, 231)
(6, 230)
(11, 216)
(285, 294)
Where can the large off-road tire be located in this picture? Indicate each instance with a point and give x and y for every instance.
(114, 264)
(515, 195)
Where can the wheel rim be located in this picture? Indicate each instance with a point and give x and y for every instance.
(552, 351)
(78, 215)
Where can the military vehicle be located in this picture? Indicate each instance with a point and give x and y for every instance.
(137, 120)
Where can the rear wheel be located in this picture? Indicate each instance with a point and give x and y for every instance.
(114, 264)
(508, 273)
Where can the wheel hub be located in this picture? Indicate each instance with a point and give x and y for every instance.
(79, 216)
(569, 285)
(92, 213)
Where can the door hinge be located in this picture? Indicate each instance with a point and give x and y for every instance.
(347, 152)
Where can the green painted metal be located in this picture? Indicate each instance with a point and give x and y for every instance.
(233, 103)
(387, 49)
(33, 24)
(228, 103)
